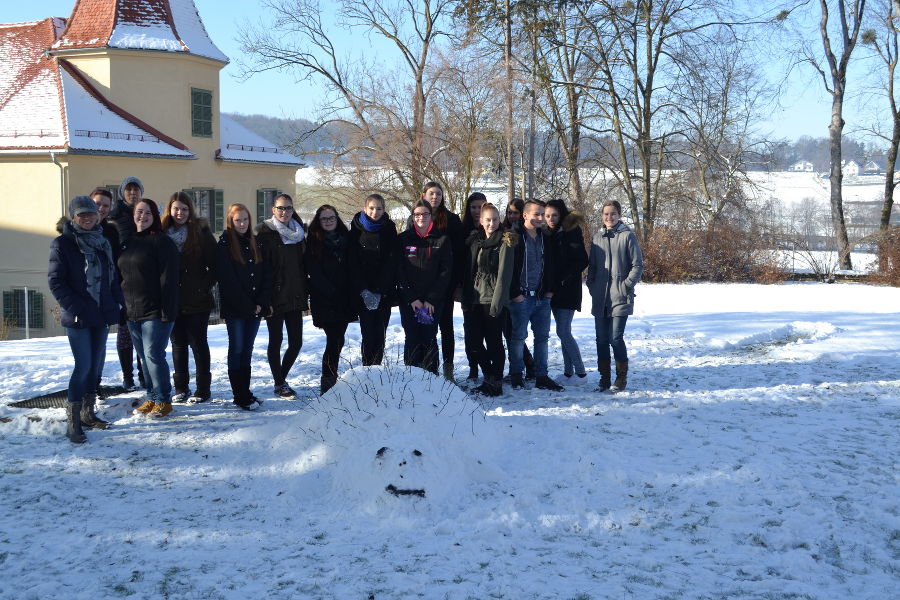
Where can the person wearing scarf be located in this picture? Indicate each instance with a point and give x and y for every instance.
(82, 278)
(281, 239)
(423, 275)
(488, 271)
(372, 251)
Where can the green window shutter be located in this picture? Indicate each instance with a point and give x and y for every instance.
(36, 306)
(9, 313)
(260, 206)
(201, 112)
(219, 210)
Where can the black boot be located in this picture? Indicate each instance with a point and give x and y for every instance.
(237, 392)
(605, 369)
(125, 361)
(140, 369)
(326, 383)
(528, 359)
(88, 416)
(73, 423)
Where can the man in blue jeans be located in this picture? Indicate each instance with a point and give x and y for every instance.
(530, 293)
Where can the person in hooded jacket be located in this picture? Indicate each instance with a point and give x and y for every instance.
(424, 270)
(82, 278)
(489, 265)
(245, 292)
(281, 239)
(331, 290)
(616, 265)
(197, 248)
(571, 260)
(121, 217)
(372, 253)
(150, 268)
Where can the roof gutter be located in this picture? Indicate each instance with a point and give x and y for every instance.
(62, 188)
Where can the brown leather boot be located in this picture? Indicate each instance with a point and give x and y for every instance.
(605, 369)
(621, 376)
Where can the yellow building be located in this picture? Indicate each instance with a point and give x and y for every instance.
(121, 87)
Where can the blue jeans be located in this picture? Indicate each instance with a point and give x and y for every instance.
(572, 362)
(89, 350)
(150, 339)
(536, 311)
(611, 332)
(241, 335)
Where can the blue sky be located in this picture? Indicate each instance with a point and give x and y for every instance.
(805, 107)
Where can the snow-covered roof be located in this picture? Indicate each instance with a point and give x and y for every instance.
(46, 104)
(239, 144)
(163, 25)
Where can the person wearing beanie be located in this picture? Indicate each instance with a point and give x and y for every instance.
(82, 278)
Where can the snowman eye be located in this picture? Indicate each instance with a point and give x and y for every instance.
(416, 453)
(381, 451)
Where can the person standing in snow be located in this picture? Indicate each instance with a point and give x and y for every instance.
(121, 216)
(571, 260)
(82, 278)
(197, 248)
(244, 298)
(150, 270)
(616, 265)
(281, 240)
(331, 293)
(424, 272)
(471, 339)
(513, 222)
(488, 273)
(372, 251)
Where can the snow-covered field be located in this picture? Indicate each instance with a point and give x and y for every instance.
(754, 455)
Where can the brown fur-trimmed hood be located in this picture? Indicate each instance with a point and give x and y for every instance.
(573, 219)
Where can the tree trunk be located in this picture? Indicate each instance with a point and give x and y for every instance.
(837, 176)
(507, 51)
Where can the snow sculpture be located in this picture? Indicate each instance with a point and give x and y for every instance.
(402, 434)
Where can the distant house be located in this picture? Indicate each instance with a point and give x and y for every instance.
(121, 87)
(850, 168)
(802, 166)
(874, 166)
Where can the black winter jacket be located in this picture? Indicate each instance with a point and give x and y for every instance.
(548, 276)
(242, 286)
(68, 284)
(570, 259)
(332, 296)
(122, 216)
(457, 236)
(489, 269)
(198, 275)
(373, 257)
(286, 270)
(150, 267)
(424, 266)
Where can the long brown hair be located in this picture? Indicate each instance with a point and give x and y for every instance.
(438, 214)
(233, 239)
(192, 243)
(316, 235)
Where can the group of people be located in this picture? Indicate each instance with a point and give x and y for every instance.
(154, 272)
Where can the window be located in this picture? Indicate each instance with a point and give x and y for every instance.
(265, 198)
(209, 204)
(201, 113)
(16, 311)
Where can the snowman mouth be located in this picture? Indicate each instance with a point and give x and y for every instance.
(393, 489)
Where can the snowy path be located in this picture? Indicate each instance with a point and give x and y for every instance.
(755, 455)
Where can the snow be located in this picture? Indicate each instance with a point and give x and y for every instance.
(192, 32)
(90, 122)
(753, 455)
(247, 146)
(151, 36)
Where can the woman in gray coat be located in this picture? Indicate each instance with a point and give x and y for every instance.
(615, 268)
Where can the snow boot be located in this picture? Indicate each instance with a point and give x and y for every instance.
(73, 423)
(621, 376)
(238, 393)
(605, 368)
(326, 383)
(88, 417)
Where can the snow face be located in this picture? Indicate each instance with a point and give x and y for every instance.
(753, 456)
(399, 433)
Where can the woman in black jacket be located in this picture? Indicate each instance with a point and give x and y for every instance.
(449, 224)
(571, 260)
(490, 261)
(281, 240)
(372, 252)
(82, 278)
(244, 298)
(150, 270)
(331, 294)
(471, 339)
(423, 276)
(197, 247)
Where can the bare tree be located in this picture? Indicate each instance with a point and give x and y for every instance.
(383, 113)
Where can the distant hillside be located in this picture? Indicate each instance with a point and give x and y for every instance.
(289, 134)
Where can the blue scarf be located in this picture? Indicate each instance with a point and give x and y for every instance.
(368, 224)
